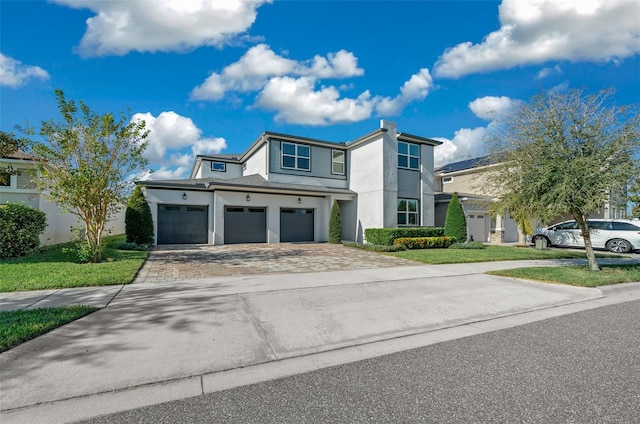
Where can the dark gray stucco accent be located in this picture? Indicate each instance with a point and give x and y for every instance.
(408, 184)
(320, 161)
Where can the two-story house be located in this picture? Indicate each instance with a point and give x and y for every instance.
(283, 187)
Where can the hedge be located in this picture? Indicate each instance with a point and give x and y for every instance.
(375, 247)
(386, 236)
(424, 242)
(20, 229)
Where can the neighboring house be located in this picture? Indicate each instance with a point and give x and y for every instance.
(468, 179)
(21, 189)
(283, 187)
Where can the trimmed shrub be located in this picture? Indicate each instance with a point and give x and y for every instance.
(468, 245)
(425, 242)
(20, 229)
(335, 224)
(386, 236)
(137, 219)
(375, 247)
(455, 223)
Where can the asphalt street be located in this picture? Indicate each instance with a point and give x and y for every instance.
(578, 368)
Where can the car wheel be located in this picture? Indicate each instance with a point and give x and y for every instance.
(618, 246)
(536, 238)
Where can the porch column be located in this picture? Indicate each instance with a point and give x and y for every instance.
(497, 232)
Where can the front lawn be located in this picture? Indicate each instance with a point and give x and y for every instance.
(53, 268)
(576, 275)
(489, 254)
(19, 326)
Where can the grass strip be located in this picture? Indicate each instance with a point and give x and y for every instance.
(17, 327)
(490, 254)
(576, 275)
(54, 268)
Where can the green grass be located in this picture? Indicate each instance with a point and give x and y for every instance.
(490, 254)
(53, 268)
(19, 326)
(576, 275)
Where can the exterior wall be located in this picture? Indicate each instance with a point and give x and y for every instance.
(473, 182)
(390, 174)
(366, 177)
(308, 180)
(233, 170)
(320, 164)
(409, 184)
(427, 184)
(174, 197)
(257, 162)
(273, 203)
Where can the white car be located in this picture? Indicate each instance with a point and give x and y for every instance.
(616, 235)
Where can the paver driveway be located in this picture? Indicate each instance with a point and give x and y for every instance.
(184, 262)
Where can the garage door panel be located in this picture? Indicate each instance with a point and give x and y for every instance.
(296, 225)
(245, 225)
(183, 224)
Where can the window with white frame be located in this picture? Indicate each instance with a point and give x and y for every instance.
(447, 180)
(219, 166)
(408, 155)
(337, 162)
(408, 212)
(296, 156)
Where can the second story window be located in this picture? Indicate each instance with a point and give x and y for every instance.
(296, 156)
(408, 155)
(337, 162)
(219, 166)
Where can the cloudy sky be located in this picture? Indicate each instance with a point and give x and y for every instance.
(209, 76)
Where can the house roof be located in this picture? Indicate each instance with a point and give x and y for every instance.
(252, 182)
(465, 164)
(19, 154)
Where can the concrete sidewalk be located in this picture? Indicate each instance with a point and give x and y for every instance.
(158, 342)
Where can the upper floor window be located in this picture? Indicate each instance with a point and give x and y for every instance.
(446, 180)
(337, 162)
(408, 212)
(5, 179)
(408, 155)
(219, 166)
(296, 156)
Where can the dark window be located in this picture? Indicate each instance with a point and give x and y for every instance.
(219, 166)
(235, 209)
(5, 179)
(296, 156)
(337, 162)
(196, 208)
(169, 208)
(571, 225)
(599, 225)
(408, 155)
(624, 226)
(408, 212)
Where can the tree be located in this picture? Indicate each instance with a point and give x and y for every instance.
(87, 164)
(565, 154)
(9, 145)
(455, 223)
(335, 224)
(137, 219)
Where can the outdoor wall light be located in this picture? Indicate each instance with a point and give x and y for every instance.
(184, 196)
(299, 200)
(248, 198)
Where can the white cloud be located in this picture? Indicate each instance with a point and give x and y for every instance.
(14, 73)
(536, 31)
(416, 88)
(545, 72)
(121, 26)
(253, 70)
(489, 107)
(296, 101)
(169, 135)
(466, 144)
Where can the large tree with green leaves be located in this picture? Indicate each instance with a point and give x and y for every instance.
(88, 162)
(565, 153)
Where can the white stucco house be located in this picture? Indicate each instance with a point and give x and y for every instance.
(22, 189)
(282, 188)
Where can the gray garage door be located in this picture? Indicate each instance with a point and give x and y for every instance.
(180, 224)
(296, 225)
(245, 225)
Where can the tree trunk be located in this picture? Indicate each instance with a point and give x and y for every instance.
(586, 236)
(522, 237)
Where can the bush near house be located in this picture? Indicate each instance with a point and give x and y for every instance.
(20, 229)
(375, 247)
(386, 236)
(455, 223)
(335, 224)
(138, 220)
(425, 242)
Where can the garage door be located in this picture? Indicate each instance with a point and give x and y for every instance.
(296, 225)
(245, 225)
(180, 224)
(476, 227)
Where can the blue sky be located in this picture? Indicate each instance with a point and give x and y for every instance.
(211, 76)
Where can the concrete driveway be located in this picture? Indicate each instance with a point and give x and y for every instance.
(190, 261)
